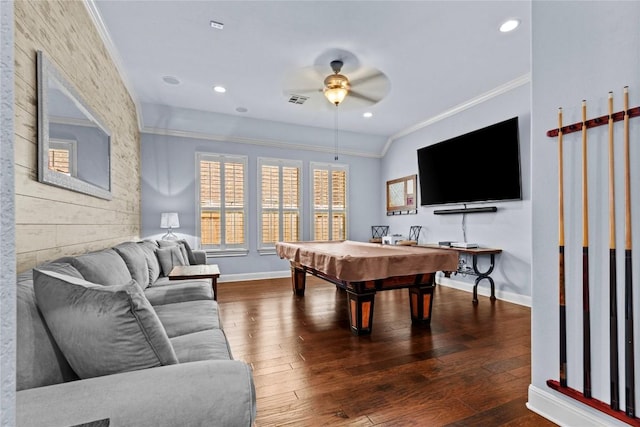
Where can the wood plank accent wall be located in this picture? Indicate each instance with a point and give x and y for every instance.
(51, 221)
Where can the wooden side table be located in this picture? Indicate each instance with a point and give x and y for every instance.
(200, 271)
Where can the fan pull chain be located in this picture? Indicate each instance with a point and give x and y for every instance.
(335, 157)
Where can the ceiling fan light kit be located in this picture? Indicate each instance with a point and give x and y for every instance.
(336, 86)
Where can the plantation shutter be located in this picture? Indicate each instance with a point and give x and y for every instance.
(329, 207)
(222, 194)
(279, 201)
(59, 160)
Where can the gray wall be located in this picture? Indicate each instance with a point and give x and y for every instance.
(509, 228)
(168, 185)
(581, 50)
(7, 224)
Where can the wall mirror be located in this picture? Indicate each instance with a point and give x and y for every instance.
(401, 196)
(74, 147)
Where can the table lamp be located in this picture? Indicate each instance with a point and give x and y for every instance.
(169, 220)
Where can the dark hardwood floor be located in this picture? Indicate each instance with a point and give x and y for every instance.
(470, 368)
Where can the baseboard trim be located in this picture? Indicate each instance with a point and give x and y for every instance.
(224, 278)
(484, 290)
(564, 412)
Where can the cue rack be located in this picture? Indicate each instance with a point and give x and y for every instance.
(621, 406)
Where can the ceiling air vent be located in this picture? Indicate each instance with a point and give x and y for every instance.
(298, 99)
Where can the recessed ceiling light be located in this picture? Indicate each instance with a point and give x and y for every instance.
(367, 114)
(220, 89)
(171, 80)
(241, 110)
(217, 25)
(509, 25)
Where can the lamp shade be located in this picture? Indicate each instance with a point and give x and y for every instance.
(169, 220)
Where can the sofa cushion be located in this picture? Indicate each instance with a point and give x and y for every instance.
(166, 291)
(170, 257)
(102, 330)
(133, 255)
(149, 248)
(183, 318)
(204, 345)
(39, 360)
(103, 267)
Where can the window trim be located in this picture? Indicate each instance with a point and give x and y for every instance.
(270, 249)
(223, 250)
(329, 167)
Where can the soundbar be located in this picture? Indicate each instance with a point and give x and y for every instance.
(465, 210)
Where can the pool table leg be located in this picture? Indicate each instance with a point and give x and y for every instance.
(421, 303)
(361, 312)
(298, 278)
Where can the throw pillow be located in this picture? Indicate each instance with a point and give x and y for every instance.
(190, 256)
(101, 330)
(170, 257)
(182, 245)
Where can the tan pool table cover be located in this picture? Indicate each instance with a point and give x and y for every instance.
(358, 261)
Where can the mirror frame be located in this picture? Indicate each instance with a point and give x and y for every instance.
(46, 71)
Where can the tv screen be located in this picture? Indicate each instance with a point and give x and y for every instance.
(480, 166)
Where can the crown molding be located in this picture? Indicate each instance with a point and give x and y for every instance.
(504, 88)
(94, 13)
(254, 141)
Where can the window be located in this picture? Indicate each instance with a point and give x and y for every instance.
(329, 201)
(279, 202)
(222, 203)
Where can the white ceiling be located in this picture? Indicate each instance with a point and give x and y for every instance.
(436, 55)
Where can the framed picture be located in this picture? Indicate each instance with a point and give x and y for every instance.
(401, 195)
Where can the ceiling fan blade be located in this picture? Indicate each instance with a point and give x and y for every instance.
(355, 94)
(302, 91)
(368, 78)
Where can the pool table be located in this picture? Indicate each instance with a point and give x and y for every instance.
(362, 269)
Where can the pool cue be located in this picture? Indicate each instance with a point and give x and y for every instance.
(630, 397)
(613, 304)
(563, 312)
(586, 317)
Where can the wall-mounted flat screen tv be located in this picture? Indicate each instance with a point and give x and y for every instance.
(480, 166)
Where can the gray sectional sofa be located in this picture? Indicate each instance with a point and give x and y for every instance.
(106, 336)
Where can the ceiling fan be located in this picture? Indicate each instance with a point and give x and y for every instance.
(363, 87)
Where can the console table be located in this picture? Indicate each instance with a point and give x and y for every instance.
(481, 275)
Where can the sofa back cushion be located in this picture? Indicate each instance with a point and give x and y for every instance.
(149, 248)
(102, 330)
(39, 360)
(103, 267)
(133, 255)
